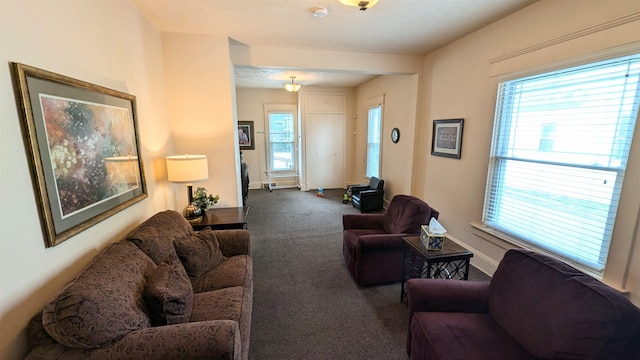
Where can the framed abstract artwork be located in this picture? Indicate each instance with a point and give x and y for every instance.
(447, 138)
(246, 138)
(83, 149)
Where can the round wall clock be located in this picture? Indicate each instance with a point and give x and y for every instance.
(395, 135)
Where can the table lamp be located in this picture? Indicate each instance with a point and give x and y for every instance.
(188, 169)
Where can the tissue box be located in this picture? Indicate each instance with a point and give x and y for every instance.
(431, 241)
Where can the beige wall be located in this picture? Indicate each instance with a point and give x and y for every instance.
(399, 110)
(201, 110)
(461, 81)
(104, 42)
(250, 107)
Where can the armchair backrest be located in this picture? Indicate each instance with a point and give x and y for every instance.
(406, 214)
(551, 309)
(376, 184)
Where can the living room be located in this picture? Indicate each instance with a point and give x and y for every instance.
(183, 81)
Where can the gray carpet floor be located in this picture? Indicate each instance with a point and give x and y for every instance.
(306, 305)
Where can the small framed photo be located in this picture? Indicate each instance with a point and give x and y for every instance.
(447, 138)
(246, 138)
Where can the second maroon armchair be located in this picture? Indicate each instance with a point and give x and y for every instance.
(372, 243)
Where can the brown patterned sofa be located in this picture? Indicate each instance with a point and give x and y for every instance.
(164, 292)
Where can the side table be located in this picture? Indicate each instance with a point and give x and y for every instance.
(452, 262)
(223, 219)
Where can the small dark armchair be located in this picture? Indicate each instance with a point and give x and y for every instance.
(372, 243)
(368, 197)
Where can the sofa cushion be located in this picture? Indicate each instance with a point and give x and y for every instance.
(156, 235)
(234, 271)
(222, 304)
(556, 311)
(461, 336)
(199, 252)
(104, 302)
(168, 293)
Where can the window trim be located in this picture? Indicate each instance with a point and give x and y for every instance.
(281, 108)
(623, 227)
(373, 103)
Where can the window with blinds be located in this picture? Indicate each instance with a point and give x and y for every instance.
(281, 141)
(560, 146)
(373, 140)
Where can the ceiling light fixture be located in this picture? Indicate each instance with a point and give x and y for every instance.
(363, 5)
(292, 87)
(319, 12)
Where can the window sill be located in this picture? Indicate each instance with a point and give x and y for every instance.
(506, 242)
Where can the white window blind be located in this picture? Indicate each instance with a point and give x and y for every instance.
(373, 140)
(559, 152)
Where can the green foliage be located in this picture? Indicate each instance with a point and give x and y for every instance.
(204, 200)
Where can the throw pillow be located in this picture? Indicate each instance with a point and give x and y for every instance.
(199, 253)
(155, 236)
(169, 294)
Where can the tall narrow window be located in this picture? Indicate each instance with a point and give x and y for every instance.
(374, 133)
(559, 153)
(281, 141)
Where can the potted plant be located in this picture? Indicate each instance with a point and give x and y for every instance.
(204, 200)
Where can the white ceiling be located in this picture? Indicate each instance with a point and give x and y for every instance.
(412, 27)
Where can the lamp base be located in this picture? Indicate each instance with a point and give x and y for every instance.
(192, 213)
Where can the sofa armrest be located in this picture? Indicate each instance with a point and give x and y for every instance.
(362, 221)
(216, 339)
(234, 242)
(441, 295)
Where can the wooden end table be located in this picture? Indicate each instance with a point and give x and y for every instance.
(452, 262)
(223, 219)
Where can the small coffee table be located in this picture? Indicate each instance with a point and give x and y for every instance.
(452, 262)
(223, 218)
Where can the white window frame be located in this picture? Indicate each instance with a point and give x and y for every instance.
(507, 151)
(281, 109)
(373, 164)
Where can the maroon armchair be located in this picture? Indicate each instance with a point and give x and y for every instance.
(534, 307)
(372, 243)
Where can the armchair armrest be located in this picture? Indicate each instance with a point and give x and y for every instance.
(382, 242)
(371, 193)
(356, 189)
(234, 242)
(362, 221)
(440, 295)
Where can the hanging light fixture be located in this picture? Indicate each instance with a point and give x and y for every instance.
(362, 4)
(292, 87)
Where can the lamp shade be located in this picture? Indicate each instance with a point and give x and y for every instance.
(187, 168)
(292, 87)
(363, 5)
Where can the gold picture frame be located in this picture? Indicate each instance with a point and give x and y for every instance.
(82, 143)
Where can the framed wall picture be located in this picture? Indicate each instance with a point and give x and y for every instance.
(447, 138)
(83, 148)
(246, 138)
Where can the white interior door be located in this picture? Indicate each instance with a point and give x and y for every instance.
(325, 151)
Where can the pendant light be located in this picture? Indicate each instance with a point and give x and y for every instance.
(362, 4)
(292, 87)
